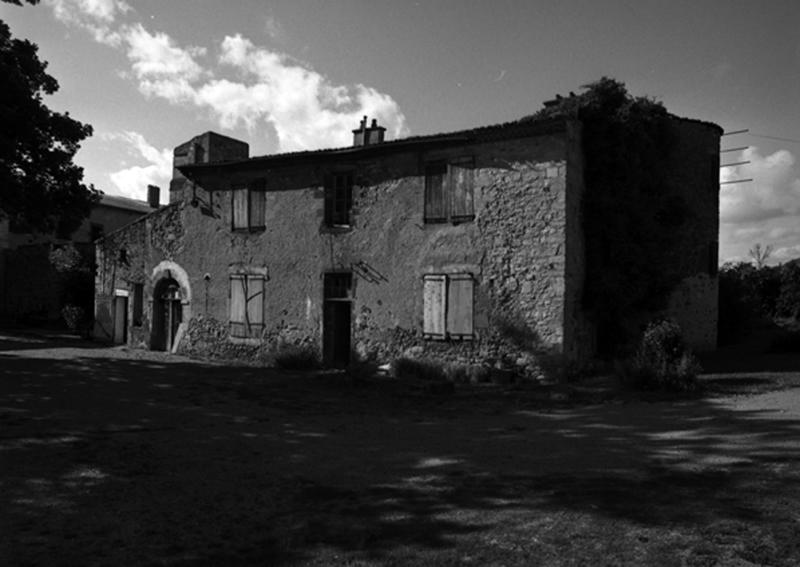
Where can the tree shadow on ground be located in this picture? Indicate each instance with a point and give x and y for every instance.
(156, 460)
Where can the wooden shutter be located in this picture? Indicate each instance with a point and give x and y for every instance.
(240, 220)
(461, 189)
(459, 305)
(258, 204)
(434, 301)
(435, 202)
(255, 304)
(238, 302)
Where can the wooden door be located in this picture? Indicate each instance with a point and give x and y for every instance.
(336, 315)
(120, 320)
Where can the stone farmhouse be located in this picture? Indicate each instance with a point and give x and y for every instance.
(466, 247)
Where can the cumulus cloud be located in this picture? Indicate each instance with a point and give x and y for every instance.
(162, 68)
(250, 85)
(765, 210)
(305, 109)
(774, 191)
(133, 181)
(96, 16)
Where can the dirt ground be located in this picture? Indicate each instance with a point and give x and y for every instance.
(110, 456)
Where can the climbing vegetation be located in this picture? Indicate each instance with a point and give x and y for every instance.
(631, 218)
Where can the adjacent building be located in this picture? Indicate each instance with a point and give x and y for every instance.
(30, 290)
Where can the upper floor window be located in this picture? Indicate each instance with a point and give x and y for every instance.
(449, 191)
(338, 199)
(248, 205)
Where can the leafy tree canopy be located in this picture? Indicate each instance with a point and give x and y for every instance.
(41, 188)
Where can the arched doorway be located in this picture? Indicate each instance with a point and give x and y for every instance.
(167, 314)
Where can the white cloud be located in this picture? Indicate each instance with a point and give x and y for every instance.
(774, 191)
(133, 181)
(305, 108)
(162, 68)
(263, 87)
(95, 16)
(765, 210)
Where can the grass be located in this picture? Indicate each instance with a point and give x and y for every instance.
(149, 461)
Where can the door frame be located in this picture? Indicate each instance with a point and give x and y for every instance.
(336, 293)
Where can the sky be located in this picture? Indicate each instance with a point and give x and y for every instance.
(149, 75)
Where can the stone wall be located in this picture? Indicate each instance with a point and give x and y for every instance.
(515, 248)
(695, 175)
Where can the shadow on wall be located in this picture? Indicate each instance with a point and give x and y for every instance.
(519, 334)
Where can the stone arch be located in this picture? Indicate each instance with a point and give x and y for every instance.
(168, 274)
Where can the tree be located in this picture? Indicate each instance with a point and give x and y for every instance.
(41, 189)
(760, 254)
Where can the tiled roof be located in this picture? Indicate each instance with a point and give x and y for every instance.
(509, 130)
(118, 202)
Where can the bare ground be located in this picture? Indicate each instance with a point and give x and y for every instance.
(118, 457)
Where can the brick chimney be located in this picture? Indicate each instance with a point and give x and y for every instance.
(153, 196)
(363, 136)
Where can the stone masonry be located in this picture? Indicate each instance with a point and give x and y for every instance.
(523, 249)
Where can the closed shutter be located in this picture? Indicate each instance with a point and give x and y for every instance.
(459, 306)
(257, 206)
(461, 189)
(435, 188)
(240, 220)
(434, 302)
(238, 302)
(255, 304)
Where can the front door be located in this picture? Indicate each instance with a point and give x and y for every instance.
(120, 319)
(167, 314)
(336, 313)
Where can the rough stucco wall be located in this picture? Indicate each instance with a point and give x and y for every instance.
(154, 238)
(515, 248)
(695, 173)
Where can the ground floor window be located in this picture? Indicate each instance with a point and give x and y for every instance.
(447, 306)
(247, 305)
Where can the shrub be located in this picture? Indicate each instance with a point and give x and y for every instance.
(75, 318)
(661, 361)
(294, 357)
(419, 369)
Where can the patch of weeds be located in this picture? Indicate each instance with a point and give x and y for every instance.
(661, 362)
(419, 369)
(432, 371)
(295, 357)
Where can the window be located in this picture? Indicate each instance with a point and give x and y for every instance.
(247, 305)
(138, 304)
(248, 204)
(447, 306)
(338, 199)
(449, 191)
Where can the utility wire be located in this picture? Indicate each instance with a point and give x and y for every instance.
(796, 141)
